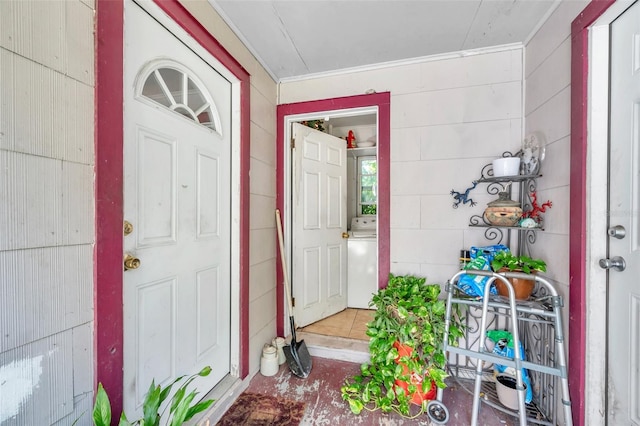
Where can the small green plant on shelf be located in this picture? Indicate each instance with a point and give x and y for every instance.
(407, 360)
(509, 261)
(181, 407)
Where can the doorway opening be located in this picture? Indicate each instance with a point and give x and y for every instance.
(367, 117)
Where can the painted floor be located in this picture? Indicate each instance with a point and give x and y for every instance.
(321, 392)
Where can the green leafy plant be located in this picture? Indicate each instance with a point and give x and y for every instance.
(410, 316)
(507, 260)
(180, 407)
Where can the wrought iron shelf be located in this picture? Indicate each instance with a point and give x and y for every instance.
(526, 184)
(515, 178)
(517, 228)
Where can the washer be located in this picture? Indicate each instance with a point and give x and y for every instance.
(362, 262)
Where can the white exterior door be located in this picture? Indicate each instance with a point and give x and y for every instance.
(177, 197)
(624, 286)
(319, 221)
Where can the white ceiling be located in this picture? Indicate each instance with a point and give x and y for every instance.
(294, 38)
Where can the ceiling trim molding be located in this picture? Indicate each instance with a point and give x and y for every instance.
(542, 21)
(403, 62)
(220, 11)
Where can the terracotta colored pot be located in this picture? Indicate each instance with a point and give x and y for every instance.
(503, 216)
(521, 288)
(414, 378)
(503, 211)
(403, 350)
(418, 397)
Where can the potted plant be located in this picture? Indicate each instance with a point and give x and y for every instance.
(181, 406)
(407, 360)
(506, 261)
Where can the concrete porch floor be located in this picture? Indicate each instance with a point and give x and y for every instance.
(338, 345)
(321, 392)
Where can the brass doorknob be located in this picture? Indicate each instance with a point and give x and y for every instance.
(345, 235)
(131, 262)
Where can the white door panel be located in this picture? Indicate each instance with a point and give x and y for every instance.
(319, 219)
(624, 287)
(156, 174)
(177, 192)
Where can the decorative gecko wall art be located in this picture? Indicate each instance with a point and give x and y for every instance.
(463, 197)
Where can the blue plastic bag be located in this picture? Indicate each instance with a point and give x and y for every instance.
(481, 257)
(504, 347)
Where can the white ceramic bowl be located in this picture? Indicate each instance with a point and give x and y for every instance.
(508, 166)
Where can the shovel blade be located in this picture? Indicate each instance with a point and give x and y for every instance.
(298, 358)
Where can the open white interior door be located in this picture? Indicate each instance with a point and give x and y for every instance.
(624, 223)
(319, 224)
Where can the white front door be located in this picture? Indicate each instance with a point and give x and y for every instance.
(177, 197)
(319, 220)
(624, 207)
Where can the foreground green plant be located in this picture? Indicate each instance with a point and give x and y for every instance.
(409, 314)
(512, 262)
(180, 408)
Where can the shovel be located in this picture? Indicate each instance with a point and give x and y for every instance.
(296, 353)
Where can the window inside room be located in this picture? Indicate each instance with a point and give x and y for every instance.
(367, 186)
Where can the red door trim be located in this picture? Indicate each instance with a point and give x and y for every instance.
(383, 102)
(578, 203)
(109, 192)
(109, 199)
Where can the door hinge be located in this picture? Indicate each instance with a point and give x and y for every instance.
(293, 143)
(293, 302)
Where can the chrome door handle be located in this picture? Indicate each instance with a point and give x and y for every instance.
(617, 231)
(616, 263)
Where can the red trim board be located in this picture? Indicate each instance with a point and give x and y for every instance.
(383, 102)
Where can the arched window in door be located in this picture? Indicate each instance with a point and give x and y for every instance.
(175, 88)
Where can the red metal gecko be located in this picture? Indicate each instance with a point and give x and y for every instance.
(535, 211)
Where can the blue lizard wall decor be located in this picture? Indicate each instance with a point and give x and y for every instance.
(463, 197)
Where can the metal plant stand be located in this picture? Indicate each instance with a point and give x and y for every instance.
(537, 323)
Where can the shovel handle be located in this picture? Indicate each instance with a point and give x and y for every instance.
(285, 271)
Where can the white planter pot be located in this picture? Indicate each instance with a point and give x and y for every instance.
(506, 390)
(509, 166)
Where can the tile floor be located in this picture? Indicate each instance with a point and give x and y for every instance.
(350, 323)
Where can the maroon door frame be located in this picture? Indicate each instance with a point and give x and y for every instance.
(109, 191)
(383, 102)
(578, 203)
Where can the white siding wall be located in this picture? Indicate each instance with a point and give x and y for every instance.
(262, 238)
(548, 109)
(46, 211)
(449, 117)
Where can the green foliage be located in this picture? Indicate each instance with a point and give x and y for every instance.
(408, 312)
(180, 408)
(369, 209)
(508, 260)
